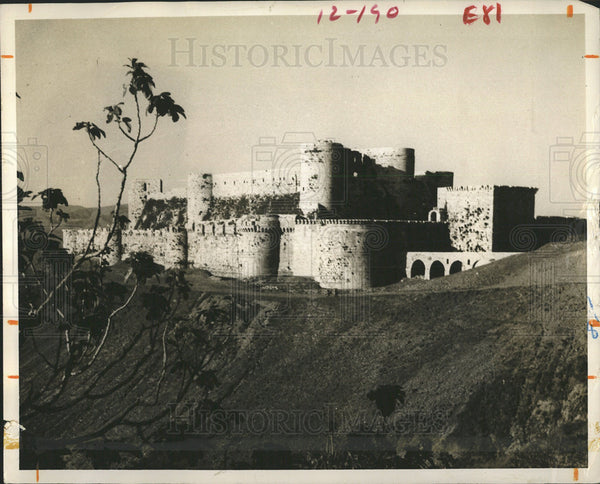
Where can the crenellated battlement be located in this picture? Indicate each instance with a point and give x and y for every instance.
(344, 217)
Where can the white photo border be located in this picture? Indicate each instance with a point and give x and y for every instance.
(11, 13)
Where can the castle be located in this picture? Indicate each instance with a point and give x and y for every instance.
(345, 218)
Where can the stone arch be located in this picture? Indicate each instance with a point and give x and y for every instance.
(437, 269)
(433, 215)
(417, 269)
(456, 267)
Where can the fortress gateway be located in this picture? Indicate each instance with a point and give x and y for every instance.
(347, 219)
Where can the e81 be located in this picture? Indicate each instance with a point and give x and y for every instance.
(469, 17)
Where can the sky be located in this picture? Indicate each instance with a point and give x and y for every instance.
(484, 101)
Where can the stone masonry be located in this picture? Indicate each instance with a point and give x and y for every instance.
(351, 220)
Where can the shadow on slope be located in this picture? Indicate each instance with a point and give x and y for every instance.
(479, 369)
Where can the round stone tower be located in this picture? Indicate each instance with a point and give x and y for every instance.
(258, 246)
(199, 197)
(402, 159)
(322, 177)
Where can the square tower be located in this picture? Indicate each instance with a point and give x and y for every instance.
(482, 218)
(138, 194)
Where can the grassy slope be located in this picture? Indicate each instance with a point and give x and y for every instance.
(486, 354)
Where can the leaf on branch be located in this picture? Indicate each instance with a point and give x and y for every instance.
(52, 198)
(122, 221)
(165, 106)
(127, 122)
(93, 130)
(63, 215)
(22, 195)
(143, 266)
(96, 132)
(113, 112)
(20, 175)
(141, 81)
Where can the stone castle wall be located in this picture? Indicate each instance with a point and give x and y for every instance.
(167, 246)
(402, 159)
(421, 264)
(139, 192)
(328, 179)
(345, 218)
(469, 213)
(199, 196)
(256, 182)
(354, 253)
(237, 248)
(76, 241)
(513, 207)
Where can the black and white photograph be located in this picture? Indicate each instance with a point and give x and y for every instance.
(272, 238)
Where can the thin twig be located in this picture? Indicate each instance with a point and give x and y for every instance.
(98, 206)
(151, 132)
(126, 134)
(104, 154)
(106, 331)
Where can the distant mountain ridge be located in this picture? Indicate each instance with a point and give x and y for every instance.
(79, 217)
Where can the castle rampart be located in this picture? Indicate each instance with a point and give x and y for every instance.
(322, 177)
(341, 217)
(167, 246)
(481, 219)
(469, 212)
(138, 195)
(77, 241)
(402, 159)
(199, 195)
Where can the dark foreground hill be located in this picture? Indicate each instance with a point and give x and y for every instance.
(485, 368)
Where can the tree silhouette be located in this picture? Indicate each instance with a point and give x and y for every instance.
(83, 340)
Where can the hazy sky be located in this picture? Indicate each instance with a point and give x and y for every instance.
(484, 101)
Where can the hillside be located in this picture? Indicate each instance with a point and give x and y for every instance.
(79, 217)
(483, 368)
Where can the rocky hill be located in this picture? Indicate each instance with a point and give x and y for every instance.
(483, 368)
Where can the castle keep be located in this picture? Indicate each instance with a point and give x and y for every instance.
(347, 219)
